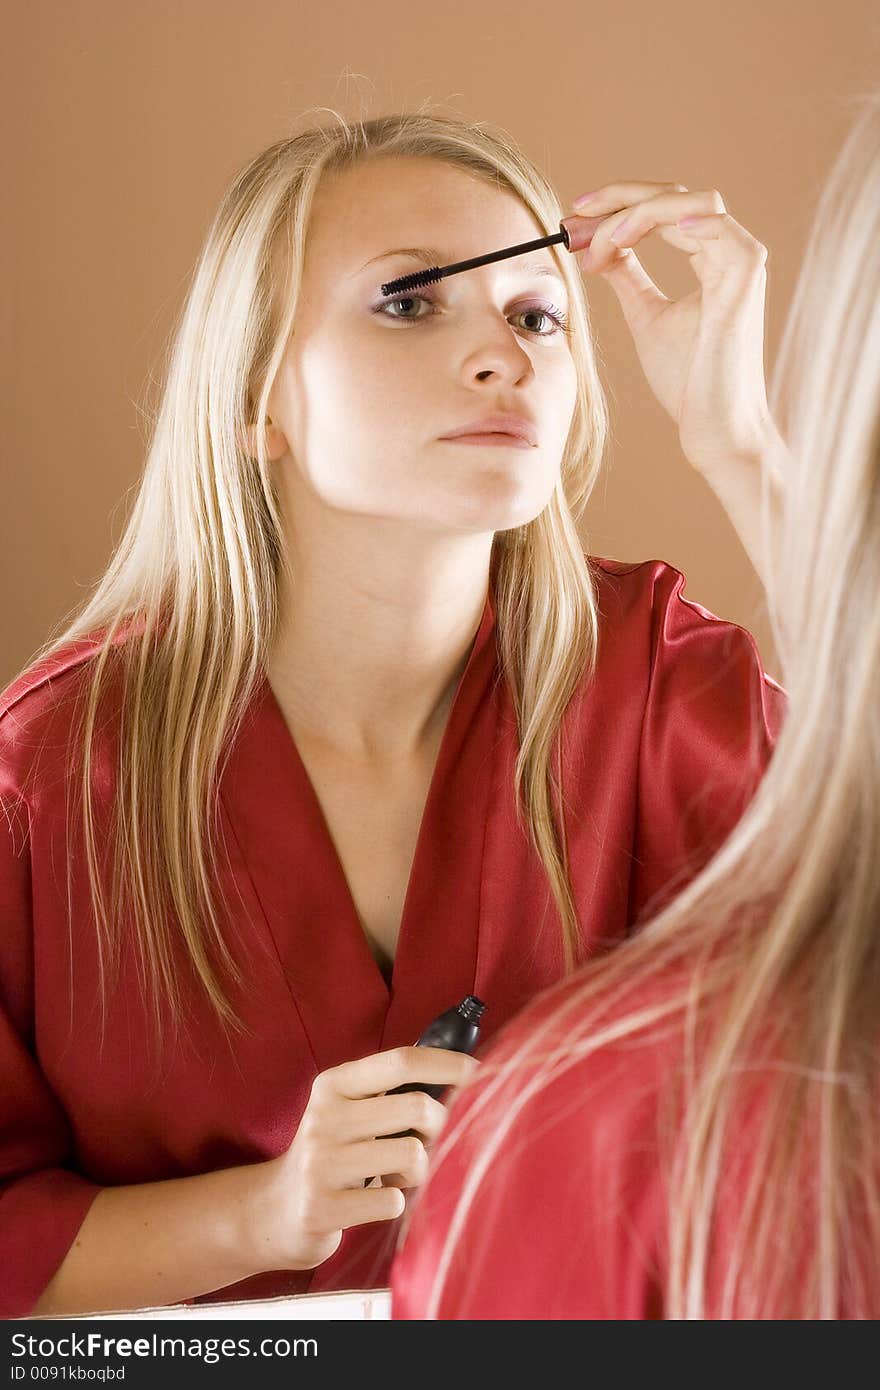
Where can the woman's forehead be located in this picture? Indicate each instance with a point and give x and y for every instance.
(377, 205)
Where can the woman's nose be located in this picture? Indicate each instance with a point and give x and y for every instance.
(498, 353)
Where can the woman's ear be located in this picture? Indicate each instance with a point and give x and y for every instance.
(276, 441)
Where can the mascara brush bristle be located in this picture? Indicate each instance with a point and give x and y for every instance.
(413, 282)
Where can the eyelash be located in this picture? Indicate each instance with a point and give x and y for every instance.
(550, 312)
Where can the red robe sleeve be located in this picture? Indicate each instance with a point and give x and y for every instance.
(42, 1203)
(711, 719)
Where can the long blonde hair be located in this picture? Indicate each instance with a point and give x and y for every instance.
(183, 617)
(770, 959)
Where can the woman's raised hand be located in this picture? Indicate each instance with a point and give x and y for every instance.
(703, 354)
(315, 1191)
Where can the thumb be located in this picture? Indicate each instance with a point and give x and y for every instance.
(635, 290)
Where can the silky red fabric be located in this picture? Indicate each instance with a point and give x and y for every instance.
(661, 751)
(568, 1219)
(568, 1214)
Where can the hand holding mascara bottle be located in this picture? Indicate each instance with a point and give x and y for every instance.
(457, 1030)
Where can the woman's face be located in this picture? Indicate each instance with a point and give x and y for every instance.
(369, 386)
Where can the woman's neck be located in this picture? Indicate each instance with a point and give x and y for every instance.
(376, 621)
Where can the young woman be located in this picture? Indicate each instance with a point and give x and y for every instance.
(351, 728)
(689, 1128)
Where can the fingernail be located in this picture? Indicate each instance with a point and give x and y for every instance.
(584, 199)
(687, 221)
(620, 233)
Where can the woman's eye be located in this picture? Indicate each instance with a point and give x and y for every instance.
(555, 316)
(405, 309)
(406, 302)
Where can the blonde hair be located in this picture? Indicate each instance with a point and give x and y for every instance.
(184, 615)
(769, 958)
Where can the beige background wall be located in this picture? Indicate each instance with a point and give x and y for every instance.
(125, 122)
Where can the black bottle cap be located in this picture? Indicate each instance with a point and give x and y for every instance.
(471, 1008)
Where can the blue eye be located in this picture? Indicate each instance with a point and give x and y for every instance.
(555, 315)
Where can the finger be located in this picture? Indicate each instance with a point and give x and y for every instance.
(637, 293)
(349, 1165)
(611, 197)
(371, 1076)
(730, 256)
(734, 240)
(727, 260)
(392, 1180)
(668, 208)
(593, 208)
(357, 1207)
(581, 230)
(383, 1115)
(583, 226)
(624, 230)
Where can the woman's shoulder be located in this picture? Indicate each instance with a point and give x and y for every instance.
(634, 583)
(39, 713)
(555, 1123)
(648, 625)
(641, 1020)
(646, 591)
(40, 685)
(574, 1059)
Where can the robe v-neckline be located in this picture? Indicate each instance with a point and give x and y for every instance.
(279, 826)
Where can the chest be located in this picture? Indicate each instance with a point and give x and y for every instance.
(373, 814)
(304, 848)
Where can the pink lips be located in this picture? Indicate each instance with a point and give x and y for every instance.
(511, 431)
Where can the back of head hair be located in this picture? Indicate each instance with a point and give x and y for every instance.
(768, 964)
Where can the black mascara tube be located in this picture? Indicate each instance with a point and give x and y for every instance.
(457, 1030)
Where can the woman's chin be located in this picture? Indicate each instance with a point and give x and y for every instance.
(502, 506)
(504, 515)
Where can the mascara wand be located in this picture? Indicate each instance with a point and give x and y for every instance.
(573, 238)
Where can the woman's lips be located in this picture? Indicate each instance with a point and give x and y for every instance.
(495, 440)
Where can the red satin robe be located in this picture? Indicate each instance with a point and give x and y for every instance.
(568, 1222)
(570, 1218)
(662, 750)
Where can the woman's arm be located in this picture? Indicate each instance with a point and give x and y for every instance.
(739, 487)
(162, 1242)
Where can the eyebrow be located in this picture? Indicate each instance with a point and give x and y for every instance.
(428, 256)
